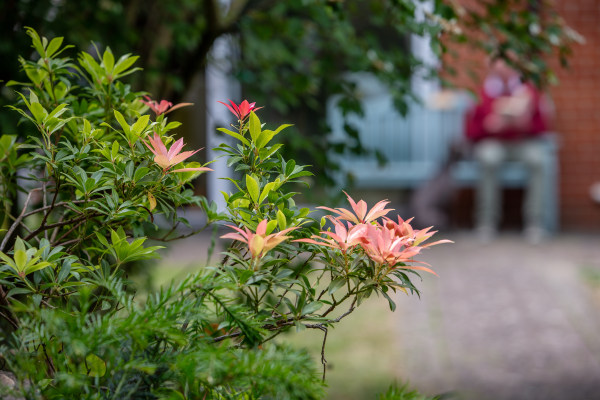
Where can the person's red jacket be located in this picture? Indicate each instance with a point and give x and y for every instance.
(475, 126)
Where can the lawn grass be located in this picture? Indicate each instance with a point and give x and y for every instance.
(362, 351)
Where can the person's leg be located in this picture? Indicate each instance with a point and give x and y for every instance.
(490, 154)
(533, 154)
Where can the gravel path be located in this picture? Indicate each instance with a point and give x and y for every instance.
(506, 320)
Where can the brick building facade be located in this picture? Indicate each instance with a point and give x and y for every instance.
(577, 100)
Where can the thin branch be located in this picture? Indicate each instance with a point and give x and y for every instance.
(55, 232)
(323, 360)
(17, 221)
(71, 221)
(292, 284)
(67, 233)
(49, 361)
(164, 238)
(10, 321)
(47, 214)
(59, 204)
(44, 202)
(13, 320)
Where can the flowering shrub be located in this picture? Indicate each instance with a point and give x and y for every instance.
(81, 198)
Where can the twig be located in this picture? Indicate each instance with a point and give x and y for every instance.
(10, 321)
(47, 214)
(291, 285)
(49, 361)
(67, 232)
(164, 238)
(17, 221)
(48, 304)
(59, 204)
(44, 202)
(11, 318)
(71, 221)
(323, 360)
(55, 232)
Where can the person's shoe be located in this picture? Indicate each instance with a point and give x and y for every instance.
(535, 234)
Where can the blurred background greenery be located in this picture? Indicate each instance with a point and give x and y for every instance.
(291, 56)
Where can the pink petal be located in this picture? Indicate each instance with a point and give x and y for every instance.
(271, 242)
(229, 107)
(261, 229)
(175, 148)
(163, 106)
(183, 156)
(378, 210)
(243, 232)
(343, 214)
(234, 236)
(244, 108)
(180, 105)
(162, 161)
(287, 230)
(237, 109)
(150, 148)
(311, 241)
(158, 145)
(360, 209)
(418, 268)
(192, 169)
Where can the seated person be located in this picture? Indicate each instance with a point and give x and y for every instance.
(507, 124)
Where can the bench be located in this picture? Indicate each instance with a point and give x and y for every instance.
(417, 146)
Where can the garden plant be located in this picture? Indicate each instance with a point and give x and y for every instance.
(97, 184)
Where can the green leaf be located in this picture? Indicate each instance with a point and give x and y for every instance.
(270, 226)
(336, 284)
(254, 127)
(289, 167)
(114, 150)
(20, 244)
(20, 260)
(122, 122)
(235, 135)
(281, 220)
(311, 307)
(269, 151)
(53, 46)
(96, 367)
(252, 186)
(36, 267)
(390, 301)
(38, 112)
(140, 124)
(267, 135)
(36, 41)
(266, 190)
(108, 60)
(123, 64)
(64, 271)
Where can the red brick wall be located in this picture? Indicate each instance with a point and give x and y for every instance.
(577, 99)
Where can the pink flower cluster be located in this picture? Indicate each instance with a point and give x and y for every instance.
(388, 243)
(259, 243)
(242, 110)
(171, 157)
(163, 106)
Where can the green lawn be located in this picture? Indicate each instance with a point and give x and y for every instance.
(362, 351)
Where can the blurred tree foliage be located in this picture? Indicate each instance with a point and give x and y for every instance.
(294, 54)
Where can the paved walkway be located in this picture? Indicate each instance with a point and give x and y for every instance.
(506, 321)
